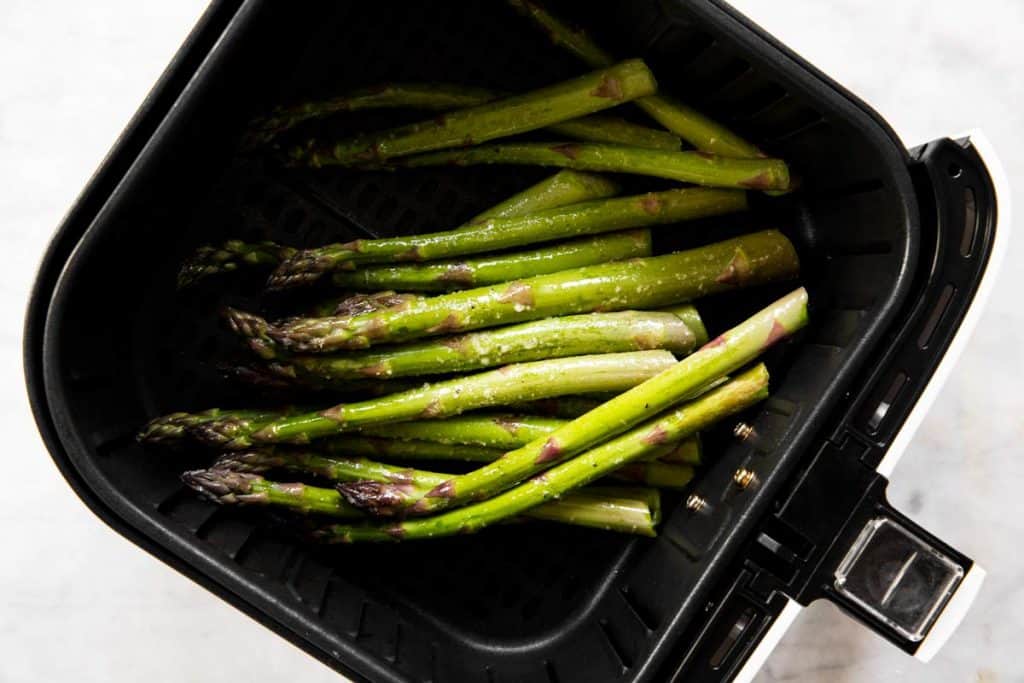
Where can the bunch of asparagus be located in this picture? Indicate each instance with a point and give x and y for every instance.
(542, 344)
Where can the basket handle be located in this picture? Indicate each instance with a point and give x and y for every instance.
(835, 536)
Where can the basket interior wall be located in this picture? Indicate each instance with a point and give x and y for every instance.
(520, 603)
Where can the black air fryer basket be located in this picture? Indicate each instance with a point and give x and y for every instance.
(895, 246)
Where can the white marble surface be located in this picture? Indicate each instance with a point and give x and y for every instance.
(78, 603)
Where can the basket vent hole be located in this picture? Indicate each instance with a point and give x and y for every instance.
(367, 196)
(448, 203)
(530, 608)
(254, 193)
(273, 208)
(510, 596)
(954, 171)
(407, 221)
(292, 220)
(387, 209)
(426, 190)
(888, 399)
(970, 222)
(935, 317)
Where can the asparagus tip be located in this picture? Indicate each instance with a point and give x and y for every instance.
(249, 462)
(304, 268)
(164, 428)
(221, 485)
(255, 375)
(205, 261)
(225, 432)
(255, 329)
(376, 498)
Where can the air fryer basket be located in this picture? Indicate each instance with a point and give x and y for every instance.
(110, 343)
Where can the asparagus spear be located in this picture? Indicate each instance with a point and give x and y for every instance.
(228, 487)
(626, 510)
(573, 335)
(498, 431)
(337, 463)
(611, 508)
(701, 168)
(585, 218)
(697, 129)
(358, 304)
(739, 393)
(399, 449)
(445, 97)
(174, 426)
(570, 99)
(229, 257)
(561, 189)
(523, 381)
(429, 96)
(441, 276)
(686, 452)
(717, 358)
(644, 283)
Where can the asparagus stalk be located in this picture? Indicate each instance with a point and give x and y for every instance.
(500, 431)
(428, 96)
(689, 124)
(700, 168)
(445, 97)
(339, 464)
(686, 452)
(577, 220)
(441, 276)
(727, 399)
(561, 189)
(523, 381)
(616, 131)
(626, 510)
(717, 358)
(644, 283)
(227, 487)
(573, 335)
(570, 99)
(399, 449)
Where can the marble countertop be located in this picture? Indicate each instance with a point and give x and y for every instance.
(81, 604)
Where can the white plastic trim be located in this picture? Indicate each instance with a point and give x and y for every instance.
(952, 614)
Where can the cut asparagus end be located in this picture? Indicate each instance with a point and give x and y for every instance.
(625, 510)
(689, 315)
